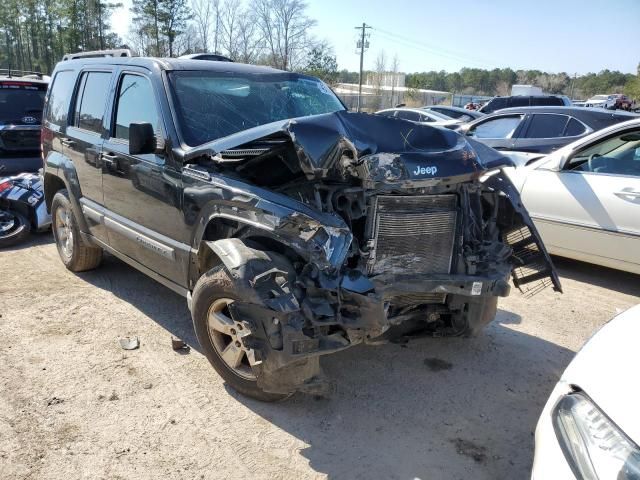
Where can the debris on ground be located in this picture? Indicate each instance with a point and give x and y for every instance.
(54, 401)
(179, 345)
(130, 343)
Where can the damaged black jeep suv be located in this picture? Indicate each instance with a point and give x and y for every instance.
(293, 227)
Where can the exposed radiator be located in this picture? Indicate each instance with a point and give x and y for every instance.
(413, 234)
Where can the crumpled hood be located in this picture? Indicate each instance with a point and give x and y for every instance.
(390, 149)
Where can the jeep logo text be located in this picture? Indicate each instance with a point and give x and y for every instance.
(425, 170)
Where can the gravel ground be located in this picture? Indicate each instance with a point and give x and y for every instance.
(73, 404)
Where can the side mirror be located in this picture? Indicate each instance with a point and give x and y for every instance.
(142, 138)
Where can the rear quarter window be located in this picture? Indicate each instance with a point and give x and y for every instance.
(60, 97)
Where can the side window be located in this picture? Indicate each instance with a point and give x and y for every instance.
(135, 103)
(546, 126)
(408, 115)
(425, 118)
(520, 101)
(448, 113)
(90, 110)
(388, 113)
(617, 155)
(60, 96)
(502, 127)
(496, 104)
(574, 128)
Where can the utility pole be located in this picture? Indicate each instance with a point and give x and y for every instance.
(362, 45)
(573, 82)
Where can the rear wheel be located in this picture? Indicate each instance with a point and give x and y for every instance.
(221, 337)
(14, 228)
(75, 255)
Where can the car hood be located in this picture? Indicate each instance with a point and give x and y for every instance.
(605, 370)
(390, 149)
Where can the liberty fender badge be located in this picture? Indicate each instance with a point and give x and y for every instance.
(426, 170)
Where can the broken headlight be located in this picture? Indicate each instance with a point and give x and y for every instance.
(593, 445)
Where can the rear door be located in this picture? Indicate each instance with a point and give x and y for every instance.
(546, 132)
(83, 142)
(21, 104)
(497, 132)
(590, 209)
(142, 193)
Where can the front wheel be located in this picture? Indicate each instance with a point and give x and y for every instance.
(14, 228)
(75, 255)
(221, 337)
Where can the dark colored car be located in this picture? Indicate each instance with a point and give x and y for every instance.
(293, 227)
(498, 103)
(214, 57)
(540, 129)
(21, 102)
(457, 113)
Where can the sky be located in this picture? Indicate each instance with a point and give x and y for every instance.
(573, 36)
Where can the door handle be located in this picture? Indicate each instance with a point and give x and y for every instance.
(109, 159)
(67, 142)
(628, 193)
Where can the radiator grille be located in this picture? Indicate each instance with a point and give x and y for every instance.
(531, 273)
(413, 234)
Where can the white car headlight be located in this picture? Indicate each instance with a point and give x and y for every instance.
(595, 448)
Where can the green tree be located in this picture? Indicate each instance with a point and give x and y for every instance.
(322, 64)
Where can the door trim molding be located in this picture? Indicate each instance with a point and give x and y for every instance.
(145, 237)
(586, 227)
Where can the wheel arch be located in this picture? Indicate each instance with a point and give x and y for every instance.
(227, 241)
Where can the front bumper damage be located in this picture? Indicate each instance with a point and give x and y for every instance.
(333, 298)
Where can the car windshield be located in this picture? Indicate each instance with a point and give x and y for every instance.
(212, 105)
(21, 103)
(599, 97)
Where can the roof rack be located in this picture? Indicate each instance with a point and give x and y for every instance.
(116, 52)
(11, 72)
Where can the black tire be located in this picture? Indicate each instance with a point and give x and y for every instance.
(14, 228)
(75, 254)
(214, 285)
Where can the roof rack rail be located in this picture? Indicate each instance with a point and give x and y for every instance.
(12, 72)
(116, 52)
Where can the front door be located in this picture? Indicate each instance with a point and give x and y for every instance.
(591, 208)
(83, 143)
(142, 193)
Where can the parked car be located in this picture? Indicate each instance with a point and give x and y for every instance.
(21, 102)
(418, 115)
(206, 56)
(293, 227)
(539, 129)
(585, 197)
(602, 101)
(462, 114)
(22, 207)
(590, 428)
(623, 102)
(499, 103)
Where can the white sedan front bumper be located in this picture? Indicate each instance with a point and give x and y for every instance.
(549, 461)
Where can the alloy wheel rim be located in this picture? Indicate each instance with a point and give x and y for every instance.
(226, 337)
(7, 222)
(64, 231)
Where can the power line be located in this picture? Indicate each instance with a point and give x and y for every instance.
(424, 47)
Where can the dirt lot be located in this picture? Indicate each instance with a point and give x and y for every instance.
(73, 404)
